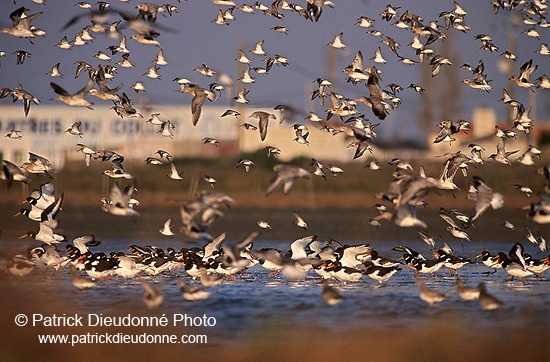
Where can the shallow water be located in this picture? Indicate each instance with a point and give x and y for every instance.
(255, 310)
(252, 301)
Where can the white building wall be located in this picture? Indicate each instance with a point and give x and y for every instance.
(43, 131)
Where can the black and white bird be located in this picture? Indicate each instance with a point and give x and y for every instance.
(380, 273)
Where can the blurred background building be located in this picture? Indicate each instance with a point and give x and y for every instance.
(44, 134)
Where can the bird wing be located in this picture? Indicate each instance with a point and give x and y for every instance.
(247, 240)
(57, 89)
(196, 106)
(214, 244)
(525, 70)
(443, 133)
(47, 189)
(413, 189)
(448, 219)
(483, 198)
(84, 91)
(51, 211)
(173, 169)
(117, 197)
(263, 126)
(82, 242)
(101, 81)
(274, 184)
(16, 15)
(25, 23)
(357, 62)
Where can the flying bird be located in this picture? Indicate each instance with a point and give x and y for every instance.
(263, 118)
(299, 221)
(54, 72)
(76, 99)
(22, 24)
(167, 228)
(199, 96)
(119, 201)
(525, 72)
(174, 174)
(75, 129)
(14, 134)
(19, 93)
(479, 81)
(484, 198)
(285, 175)
(337, 42)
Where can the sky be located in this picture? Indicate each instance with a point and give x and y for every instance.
(189, 39)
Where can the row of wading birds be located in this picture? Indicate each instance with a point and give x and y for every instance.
(330, 259)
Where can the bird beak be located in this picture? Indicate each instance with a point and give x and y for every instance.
(23, 236)
(19, 213)
(477, 256)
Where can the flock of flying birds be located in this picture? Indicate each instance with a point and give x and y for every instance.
(329, 259)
